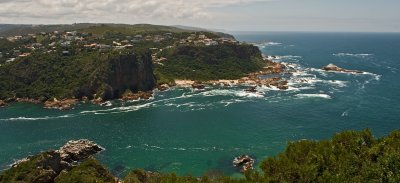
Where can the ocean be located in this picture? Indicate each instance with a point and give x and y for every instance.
(192, 132)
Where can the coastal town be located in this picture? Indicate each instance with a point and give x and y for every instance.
(72, 45)
(68, 43)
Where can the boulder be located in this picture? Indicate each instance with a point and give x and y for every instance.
(252, 89)
(244, 163)
(97, 101)
(163, 87)
(78, 150)
(2, 103)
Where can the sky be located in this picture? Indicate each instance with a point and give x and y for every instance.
(229, 15)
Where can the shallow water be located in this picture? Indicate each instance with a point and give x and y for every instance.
(189, 131)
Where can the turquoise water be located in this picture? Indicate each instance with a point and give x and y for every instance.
(190, 132)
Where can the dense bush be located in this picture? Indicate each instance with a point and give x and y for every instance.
(44, 76)
(347, 157)
(227, 61)
(88, 171)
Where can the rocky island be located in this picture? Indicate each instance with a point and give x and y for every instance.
(334, 68)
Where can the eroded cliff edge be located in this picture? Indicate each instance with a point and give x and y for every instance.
(89, 76)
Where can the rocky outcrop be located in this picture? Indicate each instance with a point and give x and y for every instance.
(334, 68)
(136, 96)
(2, 103)
(273, 67)
(244, 163)
(198, 86)
(65, 104)
(252, 89)
(163, 87)
(78, 150)
(46, 166)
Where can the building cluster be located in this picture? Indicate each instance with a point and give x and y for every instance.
(72, 42)
(201, 39)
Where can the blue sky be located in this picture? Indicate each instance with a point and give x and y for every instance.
(233, 15)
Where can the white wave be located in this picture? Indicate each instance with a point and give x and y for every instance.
(152, 146)
(265, 44)
(229, 102)
(35, 119)
(376, 76)
(179, 148)
(345, 113)
(120, 109)
(219, 92)
(325, 96)
(107, 104)
(267, 88)
(290, 57)
(336, 82)
(357, 55)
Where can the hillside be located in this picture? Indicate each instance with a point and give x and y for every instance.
(90, 61)
(348, 157)
(21, 29)
(229, 61)
(44, 76)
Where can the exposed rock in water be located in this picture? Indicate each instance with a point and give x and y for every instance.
(65, 104)
(332, 67)
(97, 101)
(274, 68)
(252, 89)
(136, 96)
(198, 86)
(78, 150)
(244, 163)
(163, 87)
(2, 103)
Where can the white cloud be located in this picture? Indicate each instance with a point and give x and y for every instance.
(129, 11)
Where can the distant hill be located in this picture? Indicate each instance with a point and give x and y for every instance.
(98, 28)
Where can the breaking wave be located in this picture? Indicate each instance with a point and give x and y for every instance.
(358, 55)
(37, 118)
(324, 96)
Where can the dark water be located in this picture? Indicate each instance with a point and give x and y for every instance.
(190, 132)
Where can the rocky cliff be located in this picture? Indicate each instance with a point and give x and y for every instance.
(93, 75)
(130, 72)
(127, 72)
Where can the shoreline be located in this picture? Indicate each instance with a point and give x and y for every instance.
(251, 80)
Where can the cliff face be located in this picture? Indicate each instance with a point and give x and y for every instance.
(129, 72)
(92, 75)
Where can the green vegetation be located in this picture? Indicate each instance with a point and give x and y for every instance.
(32, 170)
(44, 76)
(51, 62)
(88, 171)
(202, 63)
(348, 157)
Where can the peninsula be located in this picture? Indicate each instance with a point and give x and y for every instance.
(62, 65)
